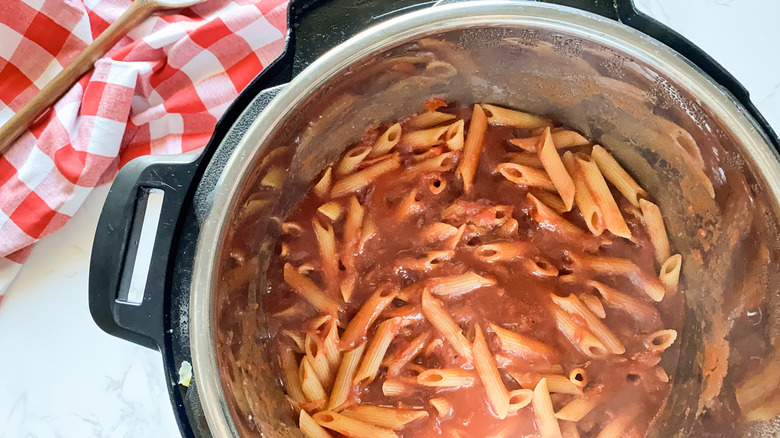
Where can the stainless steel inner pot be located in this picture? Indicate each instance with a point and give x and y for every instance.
(683, 137)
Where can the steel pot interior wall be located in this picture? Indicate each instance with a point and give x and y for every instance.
(686, 142)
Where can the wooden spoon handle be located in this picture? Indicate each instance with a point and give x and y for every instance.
(137, 12)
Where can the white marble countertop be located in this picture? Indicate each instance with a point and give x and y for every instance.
(61, 376)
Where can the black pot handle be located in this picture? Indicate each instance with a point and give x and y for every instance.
(116, 244)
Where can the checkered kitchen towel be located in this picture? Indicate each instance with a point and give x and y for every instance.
(159, 91)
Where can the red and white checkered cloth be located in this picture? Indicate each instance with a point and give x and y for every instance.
(161, 90)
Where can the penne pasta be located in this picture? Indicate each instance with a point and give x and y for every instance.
(454, 138)
(318, 360)
(497, 115)
(555, 383)
(447, 378)
(544, 416)
(297, 339)
(330, 344)
(472, 148)
(454, 285)
(426, 138)
(526, 159)
(519, 398)
(659, 341)
(617, 427)
(442, 405)
(561, 139)
(551, 220)
(322, 188)
(591, 212)
(523, 346)
(393, 388)
(368, 313)
(292, 229)
(346, 374)
(351, 427)
(308, 290)
(437, 184)
(426, 262)
(576, 409)
(578, 377)
(617, 266)
(670, 272)
(488, 373)
(640, 311)
(389, 418)
(439, 163)
(352, 159)
(386, 141)
(438, 317)
(331, 210)
(579, 336)
(437, 231)
(430, 118)
(540, 268)
(593, 303)
(525, 176)
(310, 384)
(602, 197)
(326, 240)
(555, 169)
(617, 176)
(497, 252)
(654, 224)
(376, 351)
(358, 180)
(414, 348)
(292, 382)
(551, 200)
(574, 306)
(310, 428)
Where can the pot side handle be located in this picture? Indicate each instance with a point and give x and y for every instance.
(116, 246)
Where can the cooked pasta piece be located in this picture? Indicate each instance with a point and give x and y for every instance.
(544, 415)
(454, 285)
(352, 159)
(661, 340)
(618, 266)
(318, 360)
(326, 238)
(446, 378)
(555, 169)
(519, 398)
(525, 175)
(654, 224)
(454, 137)
(670, 272)
(576, 409)
(426, 262)
(376, 351)
(438, 317)
(437, 184)
(393, 388)
(368, 313)
(386, 141)
(551, 200)
(297, 339)
(617, 427)
(438, 231)
(497, 115)
(292, 382)
(292, 228)
(546, 217)
(442, 405)
(439, 163)
(390, 418)
(351, 427)
(309, 290)
(540, 268)
(331, 210)
(310, 384)
(425, 138)
(310, 428)
(562, 139)
(580, 337)
(430, 118)
(526, 159)
(358, 180)
(496, 252)
(415, 347)
(330, 344)
(591, 212)
(615, 174)
(640, 311)
(555, 383)
(322, 188)
(574, 306)
(345, 377)
(578, 377)
(488, 373)
(597, 187)
(472, 148)
(523, 346)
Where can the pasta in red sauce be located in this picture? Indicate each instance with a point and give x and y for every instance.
(441, 280)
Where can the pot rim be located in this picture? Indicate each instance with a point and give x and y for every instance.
(390, 33)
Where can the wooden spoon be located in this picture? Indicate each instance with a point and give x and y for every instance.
(138, 11)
